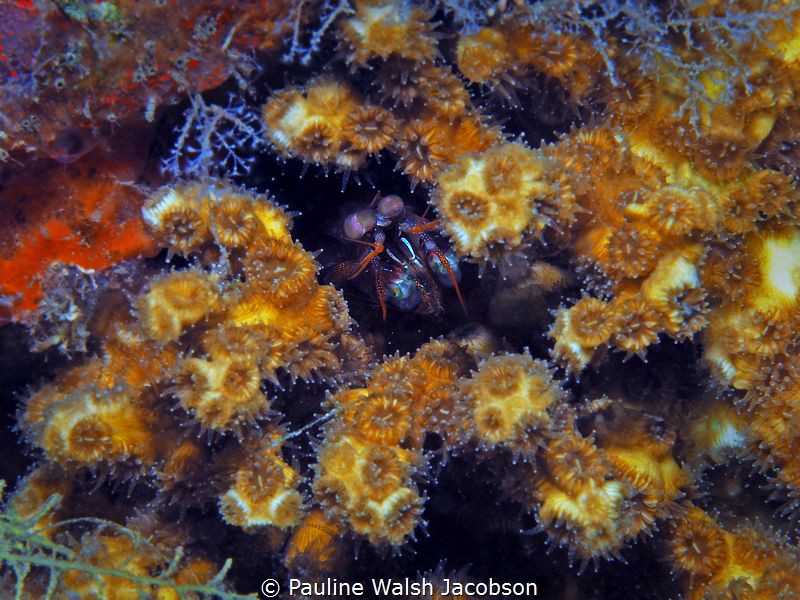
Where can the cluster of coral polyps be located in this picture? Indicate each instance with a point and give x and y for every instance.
(508, 55)
(667, 191)
(591, 494)
(193, 348)
(715, 562)
(628, 476)
(656, 230)
(502, 199)
(327, 122)
(373, 447)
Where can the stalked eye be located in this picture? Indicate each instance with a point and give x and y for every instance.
(391, 206)
(359, 223)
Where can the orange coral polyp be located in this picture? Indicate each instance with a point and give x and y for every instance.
(484, 55)
(370, 129)
(677, 211)
(281, 272)
(638, 325)
(593, 321)
(581, 330)
(316, 541)
(422, 149)
(632, 251)
(235, 224)
(574, 462)
(383, 420)
(701, 548)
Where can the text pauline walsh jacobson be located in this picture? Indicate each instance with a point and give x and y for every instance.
(407, 587)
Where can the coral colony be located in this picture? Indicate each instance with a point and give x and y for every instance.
(438, 294)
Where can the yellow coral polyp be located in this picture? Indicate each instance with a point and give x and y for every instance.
(176, 301)
(91, 427)
(177, 216)
(274, 221)
(381, 28)
(370, 486)
(222, 394)
(316, 124)
(513, 398)
(581, 330)
(263, 492)
(675, 291)
(491, 199)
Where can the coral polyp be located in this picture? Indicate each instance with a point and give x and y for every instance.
(514, 401)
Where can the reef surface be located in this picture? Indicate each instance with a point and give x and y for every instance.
(449, 292)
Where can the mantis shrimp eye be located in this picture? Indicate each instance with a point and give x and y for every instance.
(359, 223)
(391, 206)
